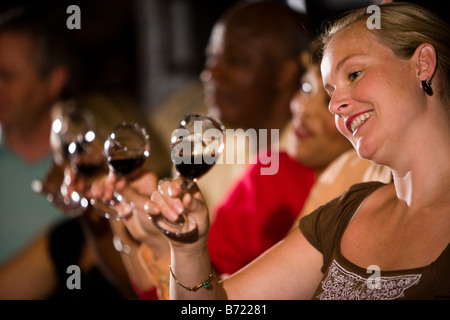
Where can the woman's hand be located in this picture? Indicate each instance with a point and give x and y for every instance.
(166, 201)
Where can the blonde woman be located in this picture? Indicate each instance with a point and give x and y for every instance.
(389, 91)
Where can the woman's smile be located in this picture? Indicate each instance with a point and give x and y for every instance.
(354, 122)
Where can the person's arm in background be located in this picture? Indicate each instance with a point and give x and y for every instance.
(145, 252)
(30, 274)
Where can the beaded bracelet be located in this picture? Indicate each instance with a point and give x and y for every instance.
(205, 284)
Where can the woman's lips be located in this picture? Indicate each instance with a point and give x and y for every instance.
(355, 121)
(302, 132)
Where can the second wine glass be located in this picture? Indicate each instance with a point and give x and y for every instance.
(126, 149)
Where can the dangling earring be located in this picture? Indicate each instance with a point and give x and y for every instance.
(426, 85)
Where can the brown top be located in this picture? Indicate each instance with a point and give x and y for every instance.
(344, 280)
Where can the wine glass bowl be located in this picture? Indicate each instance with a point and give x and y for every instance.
(196, 144)
(85, 157)
(125, 150)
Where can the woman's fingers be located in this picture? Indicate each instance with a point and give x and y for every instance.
(109, 186)
(163, 202)
(145, 184)
(171, 200)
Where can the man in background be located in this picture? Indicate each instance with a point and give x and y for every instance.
(33, 77)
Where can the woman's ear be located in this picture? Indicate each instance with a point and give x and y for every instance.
(425, 56)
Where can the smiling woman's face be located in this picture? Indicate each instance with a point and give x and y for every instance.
(374, 93)
(314, 140)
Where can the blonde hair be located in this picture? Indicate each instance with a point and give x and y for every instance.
(404, 26)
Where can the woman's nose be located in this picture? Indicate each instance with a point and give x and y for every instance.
(296, 107)
(338, 102)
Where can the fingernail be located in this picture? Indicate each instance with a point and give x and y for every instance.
(125, 214)
(152, 209)
(178, 207)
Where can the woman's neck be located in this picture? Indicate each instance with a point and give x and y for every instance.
(420, 166)
(425, 180)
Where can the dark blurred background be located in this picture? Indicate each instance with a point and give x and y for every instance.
(143, 48)
(147, 49)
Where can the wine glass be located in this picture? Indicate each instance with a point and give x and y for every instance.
(76, 146)
(82, 144)
(126, 149)
(196, 144)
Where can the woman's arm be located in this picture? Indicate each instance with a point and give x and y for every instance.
(290, 270)
(149, 249)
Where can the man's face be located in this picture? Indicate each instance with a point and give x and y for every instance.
(24, 94)
(238, 77)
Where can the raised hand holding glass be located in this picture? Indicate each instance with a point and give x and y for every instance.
(196, 144)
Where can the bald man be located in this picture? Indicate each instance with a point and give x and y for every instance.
(252, 68)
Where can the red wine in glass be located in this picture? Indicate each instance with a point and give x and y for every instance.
(126, 166)
(193, 170)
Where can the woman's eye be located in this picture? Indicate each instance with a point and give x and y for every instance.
(306, 87)
(353, 75)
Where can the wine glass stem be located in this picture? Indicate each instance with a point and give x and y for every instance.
(187, 185)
